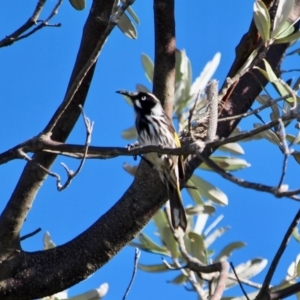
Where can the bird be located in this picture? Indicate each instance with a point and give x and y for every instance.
(154, 127)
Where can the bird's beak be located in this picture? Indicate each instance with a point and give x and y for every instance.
(128, 94)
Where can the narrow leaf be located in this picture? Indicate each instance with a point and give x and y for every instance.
(133, 15)
(169, 241)
(227, 251)
(127, 27)
(268, 134)
(194, 193)
(284, 9)
(78, 4)
(198, 248)
(130, 168)
(209, 191)
(180, 279)
(215, 235)
(233, 148)
(148, 66)
(227, 163)
(289, 39)
(141, 88)
(262, 20)
(151, 246)
(155, 268)
(129, 134)
(200, 209)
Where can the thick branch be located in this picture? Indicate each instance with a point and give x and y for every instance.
(44, 272)
(164, 70)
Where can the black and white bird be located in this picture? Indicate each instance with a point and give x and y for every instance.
(154, 127)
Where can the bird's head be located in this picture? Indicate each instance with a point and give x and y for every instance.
(143, 102)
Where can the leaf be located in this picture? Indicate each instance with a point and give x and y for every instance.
(283, 11)
(200, 209)
(263, 99)
(209, 191)
(160, 221)
(129, 134)
(296, 156)
(130, 168)
(150, 246)
(262, 20)
(127, 27)
(200, 223)
(227, 163)
(48, 243)
(155, 268)
(92, 294)
(169, 241)
(180, 279)
(248, 62)
(133, 15)
(209, 240)
(141, 88)
(227, 251)
(286, 30)
(128, 100)
(294, 140)
(208, 71)
(198, 248)
(293, 269)
(282, 285)
(182, 90)
(148, 66)
(268, 134)
(278, 84)
(251, 268)
(233, 148)
(78, 4)
(194, 193)
(296, 235)
(289, 39)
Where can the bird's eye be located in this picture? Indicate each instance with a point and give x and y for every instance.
(143, 98)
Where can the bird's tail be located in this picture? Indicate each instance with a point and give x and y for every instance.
(178, 216)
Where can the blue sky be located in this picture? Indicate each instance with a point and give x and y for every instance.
(34, 75)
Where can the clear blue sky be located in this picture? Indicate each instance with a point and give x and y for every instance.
(34, 75)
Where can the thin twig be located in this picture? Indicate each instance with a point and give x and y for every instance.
(136, 260)
(89, 128)
(246, 282)
(285, 150)
(250, 185)
(17, 35)
(254, 111)
(239, 282)
(277, 257)
(70, 174)
(44, 143)
(23, 155)
(88, 65)
(26, 236)
(288, 291)
(195, 265)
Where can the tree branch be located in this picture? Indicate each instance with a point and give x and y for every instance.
(32, 21)
(265, 288)
(41, 273)
(164, 69)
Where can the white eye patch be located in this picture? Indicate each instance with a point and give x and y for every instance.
(138, 103)
(143, 98)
